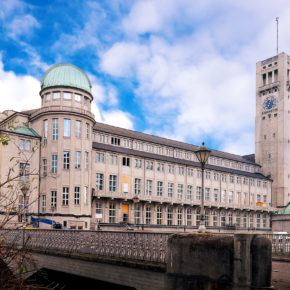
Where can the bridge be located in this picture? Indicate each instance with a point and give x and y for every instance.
(135, 259)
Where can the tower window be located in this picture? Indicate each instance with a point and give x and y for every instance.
(265, 137)
(264, 79)
(263, 118)
(115, 141)
(275, 115)
(269, 115)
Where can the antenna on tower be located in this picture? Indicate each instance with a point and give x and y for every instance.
(277, 20)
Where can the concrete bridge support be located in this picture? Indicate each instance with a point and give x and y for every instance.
(204, 261)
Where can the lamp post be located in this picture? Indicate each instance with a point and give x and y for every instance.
(202, 153)
(24, 190)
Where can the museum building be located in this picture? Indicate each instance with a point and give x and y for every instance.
(84, 174)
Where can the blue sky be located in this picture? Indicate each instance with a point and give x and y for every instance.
(181, 69)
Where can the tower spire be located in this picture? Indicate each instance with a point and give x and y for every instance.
(277, 20)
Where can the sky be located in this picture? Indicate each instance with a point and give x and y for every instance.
(180, 69)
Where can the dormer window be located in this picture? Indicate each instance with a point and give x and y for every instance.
(67, 96)
(56, 95)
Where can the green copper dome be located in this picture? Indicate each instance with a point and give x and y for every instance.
(66, 74)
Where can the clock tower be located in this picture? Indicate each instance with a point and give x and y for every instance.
(272, 136)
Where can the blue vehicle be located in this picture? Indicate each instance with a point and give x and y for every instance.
(35, 222)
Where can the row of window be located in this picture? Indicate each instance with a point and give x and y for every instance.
(173, 152)
(66, 96)
(182, 216)
(161, 167)
(224, 197)
(66, 129)
(66, 162)
(65, 197)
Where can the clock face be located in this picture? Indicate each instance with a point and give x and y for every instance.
(270, 103)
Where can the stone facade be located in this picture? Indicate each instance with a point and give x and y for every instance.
(92, 172)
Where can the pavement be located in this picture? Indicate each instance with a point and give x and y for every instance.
(281, 273)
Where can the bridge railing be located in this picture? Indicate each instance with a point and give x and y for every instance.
(151, 247)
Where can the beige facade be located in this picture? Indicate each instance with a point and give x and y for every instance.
(273, 124)
(92, 172)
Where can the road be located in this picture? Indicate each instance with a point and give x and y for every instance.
(281, 275)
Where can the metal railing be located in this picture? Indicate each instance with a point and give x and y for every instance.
(280, 244)
(151, 247)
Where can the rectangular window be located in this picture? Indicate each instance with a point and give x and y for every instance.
(251, 221)
(170, 189)
(65, 195)
(148, 215)
(189, 192)
(21, 144)
(216, 176)
(43, 207)
(78, 97)
(112, 213)
(86, 160)
(47, 97)
(230, 218)
(45, 128)
(198, 192)
(24, 172)
(67, 96)
(180, 170)
(126, 161)
(113, 160)
(188, 217)
(148, 187)
(197, 217)
(149, 165)
(215, 194)
(264, 221)
(137, 214)
(223, 219)
(87, 131)
(78, 160)
(100, 157)
(113, 183)
(77, 195)
(179, 190)
(169, 216)
(27, 145)
(224, 178)
(159, 215)
(66, 127)
(207, 194)
(44, 167)
(198, 173)
(56, 95)
(171, 169)
(98, 208)
(160, 167)
(99, 181)
(214, 219)
(238, 219)
(223, 196)
(65, 160)
(159, 188)
(231, 196)
(115, 141)
(53, 199)
(138, 163)
(190, 171)
(207, 174)
(137, 186)
(54, 129)
(78, 129)
(232, 179)
(258, 220)
(54, 163)
(238, 180)
(179, 216)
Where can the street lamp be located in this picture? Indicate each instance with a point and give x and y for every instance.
(24, 190)
(202, 153)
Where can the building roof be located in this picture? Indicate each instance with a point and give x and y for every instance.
(26, 131)
(286, 210)
(166, 142)
(66, 74)
(143, 154)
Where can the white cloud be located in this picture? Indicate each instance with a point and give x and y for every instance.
(118, 118)
(18, 92)
(22, 25)
(200, 81)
